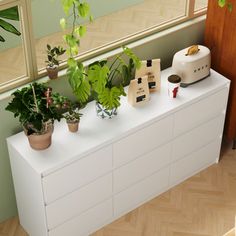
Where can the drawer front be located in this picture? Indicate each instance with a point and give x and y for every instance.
(197, 138)
(79, 201)
(75, 175)
(141, 192)
(196, 161)
(142, 141)
(86, 223)
(199, 112)
(141, 167)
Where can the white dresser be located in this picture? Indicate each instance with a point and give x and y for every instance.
(88, 179)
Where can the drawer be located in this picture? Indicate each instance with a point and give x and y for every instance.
(141, 192)
(77, 174)
(197, 138)
(86, 223)
(195, 162)
(79, 201)
(141, 167)
(199, 112)
(142, 141)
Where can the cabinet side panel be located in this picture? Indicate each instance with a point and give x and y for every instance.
(29, 195)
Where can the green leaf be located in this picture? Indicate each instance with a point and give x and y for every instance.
(10, 13)
(221, 3)
(98, 76)
(9, 27)
(110, 98)
(83, 9)
(83, 91)
(131, 55)
(82, 30)
(91, 18)
(2, 39)
(75, 76)
(67, 4)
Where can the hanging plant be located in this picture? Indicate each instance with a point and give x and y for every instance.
(76, 10)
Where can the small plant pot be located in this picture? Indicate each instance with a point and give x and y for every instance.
(52, 72)
(104, 113)
(40, 141)
(73, 126)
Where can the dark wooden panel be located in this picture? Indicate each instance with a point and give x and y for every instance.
(220, 37)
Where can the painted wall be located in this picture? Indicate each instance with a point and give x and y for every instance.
(46, 24)
(163, 48)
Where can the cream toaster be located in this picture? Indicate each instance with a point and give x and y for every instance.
(192, 64)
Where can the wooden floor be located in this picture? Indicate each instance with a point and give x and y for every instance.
(102, 31)
(203, 205)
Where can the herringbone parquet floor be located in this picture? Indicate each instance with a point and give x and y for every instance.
(203, 205)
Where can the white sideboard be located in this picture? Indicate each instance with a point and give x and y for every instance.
(88, 179)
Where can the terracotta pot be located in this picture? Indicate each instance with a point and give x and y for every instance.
(52, 72)
(73, 126)
(41, 141)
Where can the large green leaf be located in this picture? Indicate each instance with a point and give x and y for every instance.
(98, 76)
(10, 13)
(9, 27)
(110, 98)
(83, 91)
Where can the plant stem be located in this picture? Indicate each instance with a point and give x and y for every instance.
(35, 100)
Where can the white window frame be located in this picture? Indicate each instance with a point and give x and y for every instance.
(28, 39)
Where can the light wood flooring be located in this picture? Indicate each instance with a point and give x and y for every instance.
(203, 205)
(102, 31)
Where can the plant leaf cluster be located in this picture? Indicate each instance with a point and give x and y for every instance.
(29, 104)
(53, 54)
(9, 14)
(107, 81)
(76, 10)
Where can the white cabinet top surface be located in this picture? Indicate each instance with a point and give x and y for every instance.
(95, 132)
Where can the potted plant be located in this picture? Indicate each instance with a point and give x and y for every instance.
(52, 60)
(72, 116)
(36, 110)
(108, 82)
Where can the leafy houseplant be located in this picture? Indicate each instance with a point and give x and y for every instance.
(75, 72)
(107, 81)
(36, 110)
(52, 60)
(72, 116)
(9, 14)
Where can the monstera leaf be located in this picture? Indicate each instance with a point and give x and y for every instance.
(78, 82)
(11, 14)
(110, 98)
(98, 76)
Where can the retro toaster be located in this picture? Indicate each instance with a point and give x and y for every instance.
(192, 64)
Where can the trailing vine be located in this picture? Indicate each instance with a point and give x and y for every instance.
(76, 10)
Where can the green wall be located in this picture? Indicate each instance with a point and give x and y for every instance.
(163, 48)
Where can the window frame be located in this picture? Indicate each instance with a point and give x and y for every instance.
(28, 40)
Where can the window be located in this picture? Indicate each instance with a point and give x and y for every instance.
(117, 22)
